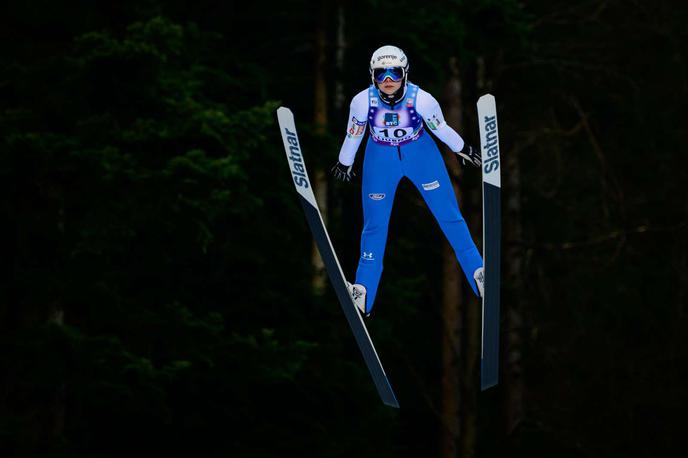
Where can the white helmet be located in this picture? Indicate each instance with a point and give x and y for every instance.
(390, 57)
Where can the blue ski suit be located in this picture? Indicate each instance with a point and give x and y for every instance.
(399, 147)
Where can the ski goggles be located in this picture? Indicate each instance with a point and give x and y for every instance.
(393, 73)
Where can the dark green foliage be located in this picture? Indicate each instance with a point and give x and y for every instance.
(134, 217)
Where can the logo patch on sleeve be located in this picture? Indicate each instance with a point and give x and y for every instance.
(435, 122)
(377, 196)
(357, 127)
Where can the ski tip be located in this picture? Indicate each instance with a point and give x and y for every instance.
(284, 115)
(486, 98)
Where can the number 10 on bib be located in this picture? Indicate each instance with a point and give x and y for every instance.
(491, 169)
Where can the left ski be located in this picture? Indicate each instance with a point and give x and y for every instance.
(334, 270)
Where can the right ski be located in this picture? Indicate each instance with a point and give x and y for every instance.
(489, 140)
(334, 270)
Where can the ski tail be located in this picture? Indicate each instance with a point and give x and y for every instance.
(334, 270)
(491, 169)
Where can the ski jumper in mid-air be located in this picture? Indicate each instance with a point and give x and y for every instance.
(395, 109)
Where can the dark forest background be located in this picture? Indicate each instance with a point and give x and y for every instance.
(158, 293)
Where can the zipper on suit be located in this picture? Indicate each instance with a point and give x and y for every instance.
(399, 151)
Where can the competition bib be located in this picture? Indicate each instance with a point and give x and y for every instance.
(394, 127)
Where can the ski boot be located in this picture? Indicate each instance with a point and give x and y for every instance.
(358, 295)
(479, 277)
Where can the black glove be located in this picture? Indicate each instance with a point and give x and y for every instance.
(343, 172)
(470, 155)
